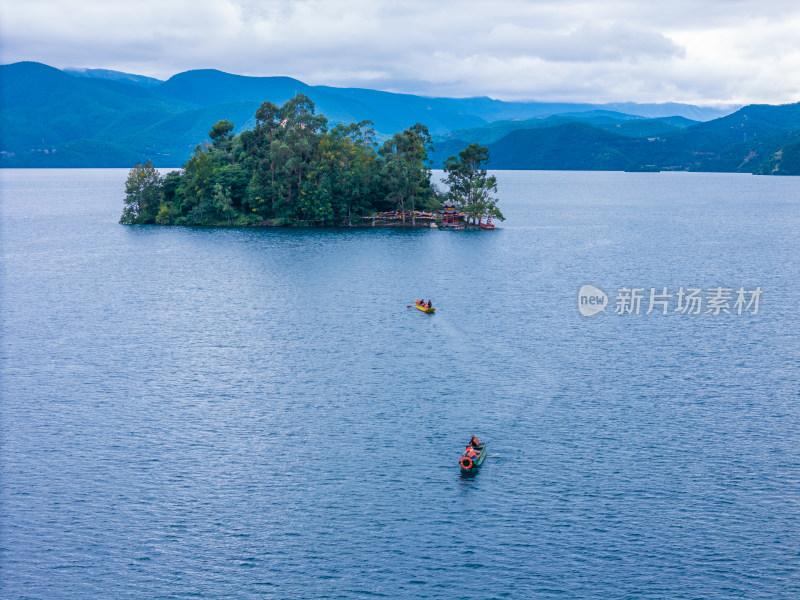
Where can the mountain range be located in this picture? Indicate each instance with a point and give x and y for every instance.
(102, 118)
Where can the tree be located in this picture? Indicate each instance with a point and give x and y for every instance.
(220, 132)
(300, 132)
(198, 190)
(143, 190)
(267, 116)
(340, 175)
(347, 154)
(223, 205)
(470, 187)
(406, 173)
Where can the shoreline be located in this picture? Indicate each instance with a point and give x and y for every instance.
(359, 226)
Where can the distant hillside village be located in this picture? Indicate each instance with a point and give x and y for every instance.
(98, 118)
(291, 170)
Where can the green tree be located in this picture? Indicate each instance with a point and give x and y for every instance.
(300, 132)
(220, 132)
(234, 178)
(406, 172)
(264, 187)
(198, 187)
(143, 194)
(223, 204)
(470, 187)
(267, 118)
(346, 157)
(164, 216)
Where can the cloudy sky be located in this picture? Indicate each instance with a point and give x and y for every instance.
(701, 51)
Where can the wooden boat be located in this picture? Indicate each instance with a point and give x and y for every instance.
(470, 466)
(422, 308)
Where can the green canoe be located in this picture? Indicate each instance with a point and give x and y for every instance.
(470, 466)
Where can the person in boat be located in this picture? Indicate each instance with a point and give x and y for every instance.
(470, 453)
(475, 442)
(421, 302)
(427, 304)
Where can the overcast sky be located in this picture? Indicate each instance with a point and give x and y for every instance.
(702, 52)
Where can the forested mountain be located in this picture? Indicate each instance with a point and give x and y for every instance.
(760, 139)
(623, 124)
(115, 76)
(100, 118)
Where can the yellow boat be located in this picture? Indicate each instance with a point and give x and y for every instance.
(422, 308)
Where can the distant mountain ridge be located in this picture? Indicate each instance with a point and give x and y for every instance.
(101, 118)
(624, 124)
(115, 76)
(755, 139)
(243, 87)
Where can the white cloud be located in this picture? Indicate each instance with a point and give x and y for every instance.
(710, 52)
(586, 42)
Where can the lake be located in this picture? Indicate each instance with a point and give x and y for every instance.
(257, 414)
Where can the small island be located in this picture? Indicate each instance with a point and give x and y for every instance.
(291, 170)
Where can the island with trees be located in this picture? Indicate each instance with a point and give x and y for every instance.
(292, 170)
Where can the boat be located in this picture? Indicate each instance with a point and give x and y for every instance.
(470, 466)
(419, 306)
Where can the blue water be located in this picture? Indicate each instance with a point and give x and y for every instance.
(256, 414)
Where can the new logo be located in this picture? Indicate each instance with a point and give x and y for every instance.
(591, 300)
